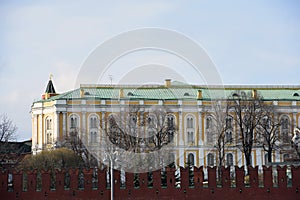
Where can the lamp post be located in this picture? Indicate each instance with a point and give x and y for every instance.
(111, 157)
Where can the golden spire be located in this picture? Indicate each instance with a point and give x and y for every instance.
(51, 76)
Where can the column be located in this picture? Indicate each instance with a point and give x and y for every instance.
(200, 142)
(294, 121)
(56, 127)
(40, 132)
(64, 124)
(34, 133)
(103, 134)
(83, 127)
(181, 134)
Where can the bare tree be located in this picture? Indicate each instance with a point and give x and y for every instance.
(248, 112)
(7, 129)
(139, 131)
(129, 131)
(73, 141)
(267, 130)
(221, 123)
(296, 141)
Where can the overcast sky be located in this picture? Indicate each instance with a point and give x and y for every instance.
(250, 42)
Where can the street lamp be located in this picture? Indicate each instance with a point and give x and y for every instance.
(112, 157)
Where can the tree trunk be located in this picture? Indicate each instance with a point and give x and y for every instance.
(248, 160)
(269, 156)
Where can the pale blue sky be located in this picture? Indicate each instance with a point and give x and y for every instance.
(251, 42)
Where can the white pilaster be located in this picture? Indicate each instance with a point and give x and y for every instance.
(83, 127)
(64, 121)
(34, 133)
(40, 132)
(56, 127)
(200, 142)
(103, 126)
(180, 129)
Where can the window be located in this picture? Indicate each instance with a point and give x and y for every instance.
(229, 123)
(74, 121)
(209, 130)
(171, 127)
(210, 160)
(266, 123)
(93, 122)
(285, 122)
(49, 138)
(190, 129)
(48, 123)
(190, 122)
(133, 119)
(191, 161)
(93, 137)
(190, 137)
(93, 128)
(286, 156)
(228, 136)
(208, 123)
(151, 121)
(170, 120)
(229, 159)
(209, 137)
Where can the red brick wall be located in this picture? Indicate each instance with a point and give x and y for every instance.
(199, 190)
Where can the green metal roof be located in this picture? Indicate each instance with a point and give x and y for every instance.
(178, 91)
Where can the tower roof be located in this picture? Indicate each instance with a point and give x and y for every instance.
(50, 88)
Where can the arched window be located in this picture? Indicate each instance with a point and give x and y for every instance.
(49, 136)
(229, 159)
(94, 122)
(170, 121)
(229, 122)
(74, 121)
(190, 122)
(151, 128)
(171, 127)
(209, 129)
(48, 123)
(285, 126)
(190, 130)
(210, 160)
(151, 121)
(208, 122)
(191, 161)
(93, 128)
(228, 136)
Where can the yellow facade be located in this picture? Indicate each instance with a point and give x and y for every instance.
(61, 110)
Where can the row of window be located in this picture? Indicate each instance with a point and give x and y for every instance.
(94, 124)
(229, 159)
(210, 159)
(94, 120)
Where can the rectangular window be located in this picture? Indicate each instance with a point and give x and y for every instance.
(190, 137)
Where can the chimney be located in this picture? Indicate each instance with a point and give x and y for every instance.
(254, 94)
(167, 83)
(121, 93)
(199, 94)
(81, 93)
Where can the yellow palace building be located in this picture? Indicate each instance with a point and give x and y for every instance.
(55, 115)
